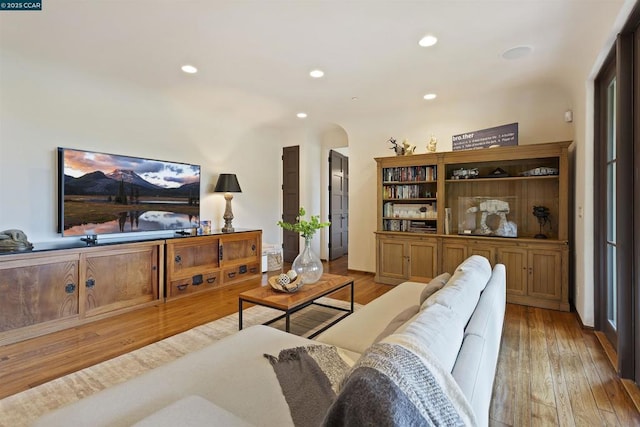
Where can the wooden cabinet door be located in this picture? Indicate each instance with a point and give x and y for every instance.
(113, 279)
(488, 251)
(515, 261)
(34, 291)
(392, 259)
(452, 256)
(191, 256)
(240, 248)
(545, 267)
(423, 260)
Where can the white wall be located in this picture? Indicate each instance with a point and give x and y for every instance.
(43, 106)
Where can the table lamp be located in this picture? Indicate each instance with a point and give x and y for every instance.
(227, 184)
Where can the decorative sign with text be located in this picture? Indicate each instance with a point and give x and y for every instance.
(499, 136)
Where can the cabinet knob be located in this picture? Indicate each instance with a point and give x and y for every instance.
(90, 283)
(178, 258)
(70, 288)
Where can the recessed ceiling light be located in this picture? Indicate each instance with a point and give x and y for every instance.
(517, 52)
(428, 40)
(190, 69)
(430, 96)
(316, 74)
(301, 115)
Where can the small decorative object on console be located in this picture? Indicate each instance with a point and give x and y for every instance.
(14, 240)
(283, 283)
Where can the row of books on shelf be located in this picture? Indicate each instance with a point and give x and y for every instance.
(409, 191)
(409, 225)
(410, 173)
(410, 210)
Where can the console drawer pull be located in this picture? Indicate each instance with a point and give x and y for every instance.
(211, 279)
(182, 287)
(231, 275)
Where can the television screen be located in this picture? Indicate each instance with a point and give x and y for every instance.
(103, 193)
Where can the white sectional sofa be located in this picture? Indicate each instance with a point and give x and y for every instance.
(231, 382)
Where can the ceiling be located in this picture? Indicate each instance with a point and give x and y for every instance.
(255, 55)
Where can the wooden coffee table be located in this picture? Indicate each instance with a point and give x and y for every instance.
(292, 302)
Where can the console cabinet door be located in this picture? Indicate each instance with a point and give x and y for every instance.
(515, 261)
(423, 260)
(545, 274)
(192, 256)
(35, 291)
(453, 253)
(240, 248)
(113, 279)
(392, 260)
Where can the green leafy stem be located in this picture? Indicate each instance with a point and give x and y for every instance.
(306, 228)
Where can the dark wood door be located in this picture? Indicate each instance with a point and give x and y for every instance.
(290, 200)
(338, 205)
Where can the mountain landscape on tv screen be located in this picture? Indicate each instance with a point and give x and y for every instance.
(97, 183)
(103, 196)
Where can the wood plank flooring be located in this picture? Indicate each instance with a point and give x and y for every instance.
(550, 371)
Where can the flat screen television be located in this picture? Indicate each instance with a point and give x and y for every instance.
(102, 193)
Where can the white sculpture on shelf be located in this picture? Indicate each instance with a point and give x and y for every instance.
(500, 208)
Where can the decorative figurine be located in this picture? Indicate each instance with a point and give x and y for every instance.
(399, 150)
(14, 240)
(431, 145)
(542, 214)
(500, 208)
(408, 149)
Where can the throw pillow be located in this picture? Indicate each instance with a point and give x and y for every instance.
(434, 285)
(398, 321)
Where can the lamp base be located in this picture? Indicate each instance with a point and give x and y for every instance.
(228, 214)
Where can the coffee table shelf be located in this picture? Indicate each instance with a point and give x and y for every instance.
(290, 303)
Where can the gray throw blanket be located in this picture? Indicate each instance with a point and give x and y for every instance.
(309, 378)
(392, 384)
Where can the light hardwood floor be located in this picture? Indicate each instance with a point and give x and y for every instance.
(550, 371)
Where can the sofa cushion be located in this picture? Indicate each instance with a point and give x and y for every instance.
(434, 285)
(231, 372)
(462, 291)
(357, 332)
(437, 328)
(398, 321)
(191, 411)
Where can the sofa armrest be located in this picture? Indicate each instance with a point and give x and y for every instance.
(358, 331)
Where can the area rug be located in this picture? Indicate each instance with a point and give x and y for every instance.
(24, 408)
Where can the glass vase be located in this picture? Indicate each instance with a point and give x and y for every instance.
(307, 264)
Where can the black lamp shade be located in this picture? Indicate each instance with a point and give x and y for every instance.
(227, 183)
